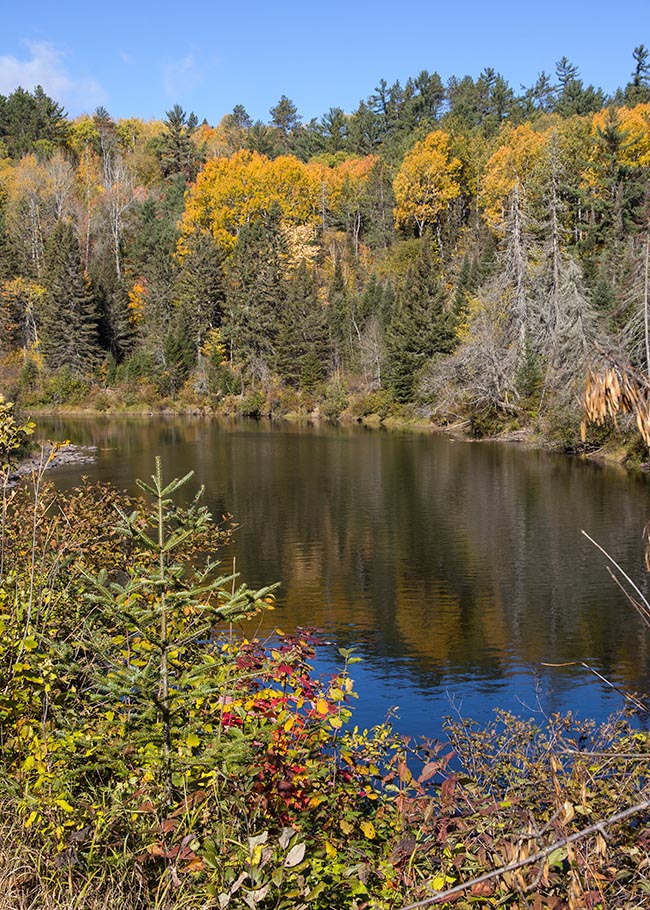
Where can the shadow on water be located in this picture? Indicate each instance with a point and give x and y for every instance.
(455, 569)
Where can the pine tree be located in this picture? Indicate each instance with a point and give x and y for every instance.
(302, 350)
(178, 153)
(116, 331)
(421, 327)
(638, 90)
(200, 288)
(256, 293)
(338, 316)
(68, 331)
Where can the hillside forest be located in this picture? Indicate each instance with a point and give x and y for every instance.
(459, 250)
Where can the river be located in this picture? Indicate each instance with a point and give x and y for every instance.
(457, 570)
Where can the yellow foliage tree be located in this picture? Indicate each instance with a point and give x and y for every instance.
(515, 163)
(83, 133)
(231, 192)
(343, 184)
(137, 301)
(20, 301)
(427, 182)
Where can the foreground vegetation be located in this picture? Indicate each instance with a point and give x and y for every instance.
(156, 754)
(461, 251)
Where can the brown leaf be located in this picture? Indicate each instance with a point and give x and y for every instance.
(428, 771)
(482, 889)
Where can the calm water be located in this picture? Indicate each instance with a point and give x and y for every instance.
(455, 569)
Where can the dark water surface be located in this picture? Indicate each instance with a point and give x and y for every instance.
(455, 569)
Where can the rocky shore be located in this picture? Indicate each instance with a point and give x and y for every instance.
(50, 456)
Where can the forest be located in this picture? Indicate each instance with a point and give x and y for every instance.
(461, 251)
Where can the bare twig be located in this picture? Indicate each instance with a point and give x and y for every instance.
(646, 605)
(580, 663)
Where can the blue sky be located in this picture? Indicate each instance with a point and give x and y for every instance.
(139, 58)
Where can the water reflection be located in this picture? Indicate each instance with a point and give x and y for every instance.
(454, 567)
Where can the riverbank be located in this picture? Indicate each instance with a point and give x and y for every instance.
(624, 450)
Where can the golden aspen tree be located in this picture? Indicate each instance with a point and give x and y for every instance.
(514, 164)
(232, 192)
(427, 182)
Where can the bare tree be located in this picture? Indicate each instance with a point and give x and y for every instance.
(121, 194)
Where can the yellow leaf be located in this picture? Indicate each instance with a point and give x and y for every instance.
(330, 849)
(63, 804)
(193, 740)
(439, 883)
(336, 694)
(336, 722)
(368, 829)
(345, 826)
(322, 706)
(289, 722)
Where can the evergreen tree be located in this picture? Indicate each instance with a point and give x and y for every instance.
(638, 90)
(30, 122)
(262, 139)
(153, 261)
(610, 205)
(115, 328)
(68, 331)
(364, 131)
(256, 292)
(421, 327)
(377, 205)
(285, 120)
(302, 351)
(200, 289)
(572, 96)
(338, 316)
(178, 153)
(333, 130)
(8, 257)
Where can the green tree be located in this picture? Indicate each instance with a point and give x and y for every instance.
(364, 131)
(148, 636)
(422, 325)
(256, 292)
(572, 96)
(333, 130)
(68, 331)
(31, 122)
(200, 288)
(638, 90)
(338, 313)
(178, 153)
(285, 120)
(152, 260)
(302, 352)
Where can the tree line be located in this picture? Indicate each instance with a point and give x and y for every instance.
(461, 246)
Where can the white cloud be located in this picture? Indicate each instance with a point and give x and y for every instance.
(45, 66)
(181, 77)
